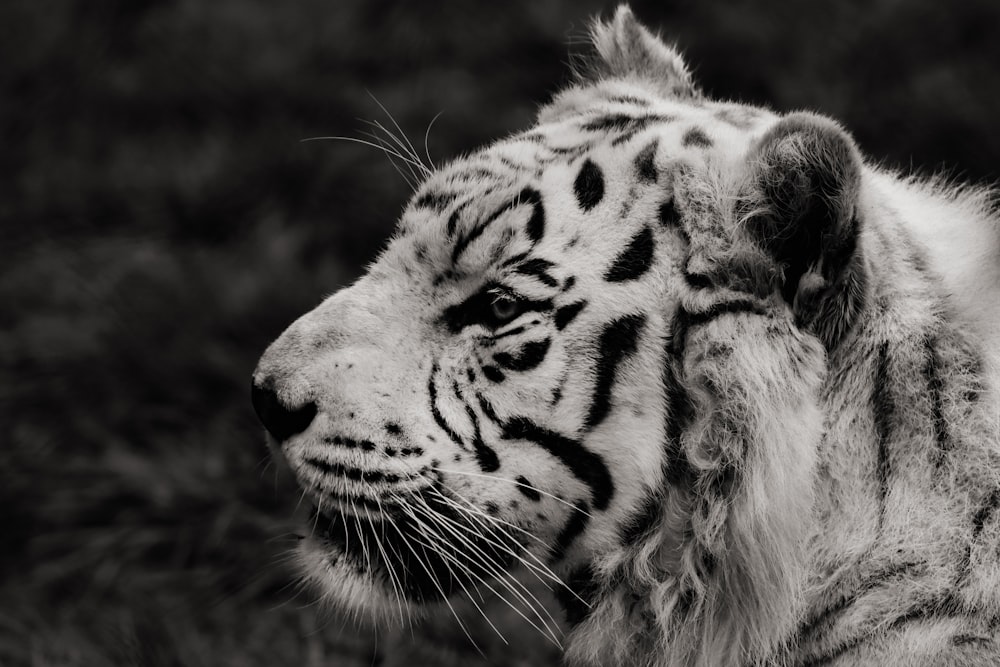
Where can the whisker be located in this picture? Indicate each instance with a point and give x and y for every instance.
(542, 567)
(412, 151)
(426, 530)
(437, 585)
(538, 571)
(475, 513)
(470, 506)
(517, 483)
(406, 149)
(364, 143)
(427, 134)
(409, 176)
(500, 576)
(547, 633)
(364, 542)
(397, 585)
(498, 572)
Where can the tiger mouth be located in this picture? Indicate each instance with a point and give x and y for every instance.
(426, 549)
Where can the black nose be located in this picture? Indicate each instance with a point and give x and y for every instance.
(280, 421)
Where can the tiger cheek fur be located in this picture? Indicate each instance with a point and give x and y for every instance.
(658, 351)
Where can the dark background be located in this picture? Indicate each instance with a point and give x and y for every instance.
(161, 221)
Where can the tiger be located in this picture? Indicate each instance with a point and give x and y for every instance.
(726, 385)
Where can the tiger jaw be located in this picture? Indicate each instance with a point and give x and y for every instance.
(424, 549)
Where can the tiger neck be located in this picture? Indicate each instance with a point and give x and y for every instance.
(910, 404)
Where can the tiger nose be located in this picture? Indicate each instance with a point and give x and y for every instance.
(280, 420)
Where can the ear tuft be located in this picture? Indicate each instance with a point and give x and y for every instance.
(801, 205)
(626, 49)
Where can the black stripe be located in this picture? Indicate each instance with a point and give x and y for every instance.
(568, 313)
(618, 340)
(642, 522)
(818, 623)
(645, 163)
(536, 223)
(529, 356)
(932, 376)
(938, 608)
(985, 512)
(376, 506)
(677, 340)
(629, 99)
(696, 137)
(698, 280)
(514, 259)
(589, 185)
(507, 333)
(679, 411)
(465, 239)
(434, 200)
(453, 221)
(579, 594)
(635, 260)
(539, 268)
(963, 639)
(611, 123)
(725, 308)
(355, 474)
(571, 152)
(670, 218)
(485, 457)
(438, 417)
(834, 653)
(585, 465)
(575, 525)
(494, 374)
(366, 445)
(884, 408)
(626, 136)
(488, 410)
(527, 488)
(620, 122)
(535, 227)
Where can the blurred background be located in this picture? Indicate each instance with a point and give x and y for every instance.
(161, 221)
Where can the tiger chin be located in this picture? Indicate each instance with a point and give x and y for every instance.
(729, 386)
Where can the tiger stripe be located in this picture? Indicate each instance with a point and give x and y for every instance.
(635, 260)
(573, 528)
(618, 340)
(883, 407)
(585, 465)
(589, 185)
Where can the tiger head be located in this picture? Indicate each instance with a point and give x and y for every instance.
(590, 351)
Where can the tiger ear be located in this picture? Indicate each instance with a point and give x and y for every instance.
(626, 49)
(801, 206)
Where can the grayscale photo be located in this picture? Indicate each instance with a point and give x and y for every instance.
(345, 333)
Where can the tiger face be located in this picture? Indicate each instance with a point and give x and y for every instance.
(478, 399)
(500, 391)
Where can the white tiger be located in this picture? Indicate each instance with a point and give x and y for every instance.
(734, 388)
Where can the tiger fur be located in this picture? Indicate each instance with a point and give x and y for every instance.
(736, 388)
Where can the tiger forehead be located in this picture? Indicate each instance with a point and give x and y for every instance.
(620, 111)
(612, 126)
(494, 198)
